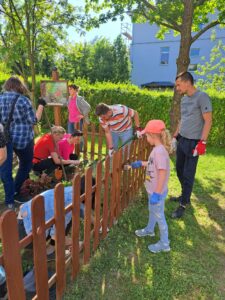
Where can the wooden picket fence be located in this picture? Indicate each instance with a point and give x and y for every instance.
(114, 189)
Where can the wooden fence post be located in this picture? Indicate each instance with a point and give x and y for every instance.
(97, 204)
(76, 226)
(113, 188)
(59, 209)
(85, 136)
(92, 141)
(105, 197)
(39, 243)
(11, 256)
(87, 217)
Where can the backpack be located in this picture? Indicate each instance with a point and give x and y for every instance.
(84, 108)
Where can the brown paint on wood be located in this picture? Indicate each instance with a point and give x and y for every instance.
(75, 226)
(39, 245)
(11, 256)
(92, 140)
(87, 217)
(105, 197)
(97, 204)
(59, 209)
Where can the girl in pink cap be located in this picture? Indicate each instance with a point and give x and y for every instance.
(156, 182)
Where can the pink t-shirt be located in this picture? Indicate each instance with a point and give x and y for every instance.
(65, 149)
(158, 160)
(74, 114)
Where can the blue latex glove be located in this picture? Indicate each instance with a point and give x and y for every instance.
(136, 164)
(154, 198)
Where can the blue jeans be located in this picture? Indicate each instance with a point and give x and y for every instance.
(156, 215)
(70, 126)
(124, 136)
(70, 130)
(25, 157)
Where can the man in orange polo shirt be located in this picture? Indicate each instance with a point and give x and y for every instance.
(46, 157)
(116, 120)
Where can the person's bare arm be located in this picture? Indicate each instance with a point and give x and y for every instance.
(207, 125)
(161, 181)
(3, 155)
(57, 160)
(108, 136)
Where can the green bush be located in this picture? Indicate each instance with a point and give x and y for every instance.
(149, 104)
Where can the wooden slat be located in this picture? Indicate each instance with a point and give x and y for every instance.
(130, 188)
(92, 140)
(105, 197)
(100, 138)
(125, 176)
(11, 255)
(59, 208)
(87, 217)
(85, 136)
(113, 188)
(118, 185)
(39, 243)
(75, 226)
(97, 204)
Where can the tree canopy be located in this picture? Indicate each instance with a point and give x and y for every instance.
(189, 18)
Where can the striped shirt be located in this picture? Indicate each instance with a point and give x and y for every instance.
(120, 119)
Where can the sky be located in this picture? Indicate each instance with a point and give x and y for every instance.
(110, 30)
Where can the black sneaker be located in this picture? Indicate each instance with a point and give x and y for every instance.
(175, 199)
(178, 213)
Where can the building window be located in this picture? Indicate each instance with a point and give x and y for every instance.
(194, 52)
(164, 55)
(193, 67)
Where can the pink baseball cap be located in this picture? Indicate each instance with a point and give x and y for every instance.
(154, 126)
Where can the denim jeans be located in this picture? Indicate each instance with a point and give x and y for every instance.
(156, 215)
(70, 126)
(124, 136)
(186, 165)
(25, 157)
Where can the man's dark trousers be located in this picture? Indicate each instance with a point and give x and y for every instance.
(186, 165)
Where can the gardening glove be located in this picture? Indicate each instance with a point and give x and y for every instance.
(138, 132)
(111, 151)
(200, 148)
(136, 164)
(174, 143)
(42, 102)
(154, 198)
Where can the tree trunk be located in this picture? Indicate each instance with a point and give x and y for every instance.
(183, 59)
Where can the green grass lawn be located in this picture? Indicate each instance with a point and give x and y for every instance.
(123, 268)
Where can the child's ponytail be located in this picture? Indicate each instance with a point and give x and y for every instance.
(166, 140)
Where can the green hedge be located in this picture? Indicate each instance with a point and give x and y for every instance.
(149, 104)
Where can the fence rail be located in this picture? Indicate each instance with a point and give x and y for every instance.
(114, 190)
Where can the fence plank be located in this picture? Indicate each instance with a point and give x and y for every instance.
(75, 226)
(92, 140)
(118, 185)
(97, 204)
(59, 208)
(105, 197)
(125, 177)
(39, 242)
(113, 188)
(100, 139)
(11, 255)
(130, 188)
(87, 217)
(85, 137)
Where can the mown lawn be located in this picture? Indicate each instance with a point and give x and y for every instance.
(123, 268)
